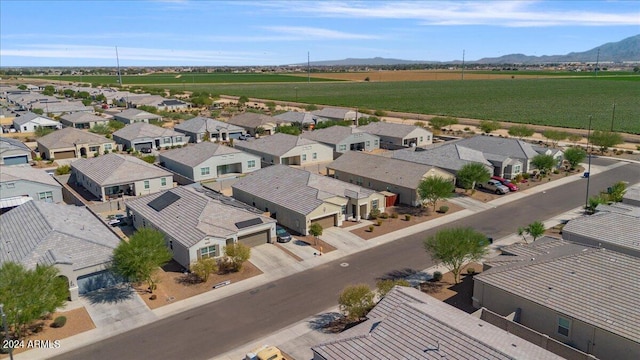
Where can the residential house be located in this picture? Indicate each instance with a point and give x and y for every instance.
(82, 120)
(198, 127)
(496, 148)
(583, 298)
(337, 114)
(252, 121)
(207, 160)
(58, 107)
(141, 135)
(344, 138)
(114, 175)
(68, 237)
(287, 150)
(30, 121)
(632, 195)
(615, 227)
(20, 184)
(298, 198)
(305, 118)
(156, 101)
(70, 143)
(198, 223)
(173, 105)
(396, 136)
(450, 157)
(556, 154)
(397, 179)
(131, 116)
(409, 324)
(14, 152)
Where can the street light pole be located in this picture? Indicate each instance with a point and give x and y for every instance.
(6, 330)
(586, 202)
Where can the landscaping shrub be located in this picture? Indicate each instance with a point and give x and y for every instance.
(371, 228)
(379, 222)
(59, 322)
(394, 215)
(384, 215)
(407, 217)
(443, 209)
(153, 297)
(526, 176)
(437, 276)
(556, 171)
(374, 214)
(471, 271)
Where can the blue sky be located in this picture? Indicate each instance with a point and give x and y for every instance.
(234, 33)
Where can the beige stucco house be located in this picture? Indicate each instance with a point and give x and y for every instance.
(70, 143)
(287, 150)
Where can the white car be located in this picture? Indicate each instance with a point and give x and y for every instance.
(495, 186)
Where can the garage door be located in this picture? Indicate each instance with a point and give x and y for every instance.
(325, 222)
(139, 146)
(15, 160)
(255, 239)
(97, 281)
(235, 135)
(64, 154)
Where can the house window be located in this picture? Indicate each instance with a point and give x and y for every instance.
(178, 139)
(420, 138)
(107, 147)
(304, 157)
(146, 184)
(46, 196)
(343, 148)
(204, 171)
(167, 140)
(314, 156)
(343, 209)
(208, 251)
(368, 143)
(94, 148)
(564, 325)
(374, 204)
(428, 137)
(11, 185)
(375, 142)
(516, 169)
(359, 181)
(251, 164)
(163, 181)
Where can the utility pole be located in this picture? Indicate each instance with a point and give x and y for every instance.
(462, 64)
(308, 68)
(118, 63)
(597, 62)
(586, 202)
(613, 115)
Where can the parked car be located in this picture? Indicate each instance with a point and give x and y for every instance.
(245, 137)
(512, 187)
(495, 186)
(117, 219)
(145, 150)
(282, 235)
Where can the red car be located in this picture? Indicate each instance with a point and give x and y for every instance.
(512, 187)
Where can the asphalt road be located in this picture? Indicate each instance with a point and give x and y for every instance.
(221, 326)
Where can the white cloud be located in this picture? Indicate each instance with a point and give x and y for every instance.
(304, 33)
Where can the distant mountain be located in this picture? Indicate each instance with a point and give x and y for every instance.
(624, 50)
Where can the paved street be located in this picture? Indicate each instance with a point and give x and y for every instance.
(223, 325)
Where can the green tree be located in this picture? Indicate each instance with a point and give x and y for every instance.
(434, 188)
(616, 191)
(37, 111)
(311, 107)
(456, 247)
(471, 174)
(593, 203)
(49, 90)
(536, 229)
(259, 130)
(139, 258)
(149, 158)
(543, 162)
(489, 126)
(204, 267)
(22, 87)
(116, 125)
(243, 100)
(86, 102)
(237, 254)
(384, 286)
(605, 139)
(521, 131)
(271, 106)
(28, 294)
(101, 129)
(555, 136)
(574, 156)
(63, 170)
(438, 122)
(42, 131)
(574, 138)
(362, 121)
(356, 301)
(148, 108)
(315, 230)
(289, 129)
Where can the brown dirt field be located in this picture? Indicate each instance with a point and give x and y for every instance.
(418, 215)
(78, 321)
(414, 75)
(175, 286)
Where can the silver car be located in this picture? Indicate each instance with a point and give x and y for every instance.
(495, 186)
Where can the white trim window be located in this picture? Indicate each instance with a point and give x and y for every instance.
(205, 171)
(163, 181)
(146, 184)
(46, 196)
(564, 326)
(251, 164)
(208, 252)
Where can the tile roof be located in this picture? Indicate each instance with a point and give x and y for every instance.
(508, 147)
(618, 227)
(135, 114)
(333, 134)
(296, 116)
(450, 156)
(334, 113)
(296, 189)
(114, 169)
(7, 144)
(588, 286)
(408, 324)
(195, 215)
(544, 248)
(252, 120)
(277, 144)
(42, 233)
(25, 172)
(632, 194)
(142, 129)
(68, 137)
(194, 155)
(393, 171)
(382, 128)
(82, 118)
(29, 116)
(200, 124)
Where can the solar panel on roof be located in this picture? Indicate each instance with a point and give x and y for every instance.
(247, 223)
(163, 201)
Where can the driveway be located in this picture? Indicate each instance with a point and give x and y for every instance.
(116, 307)
(273, 261)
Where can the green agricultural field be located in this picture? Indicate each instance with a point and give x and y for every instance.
(184, 79)
(558, 102)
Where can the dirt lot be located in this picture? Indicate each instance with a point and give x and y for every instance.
(458, 295)
(78, 320)
(418, 215)
(175, 286)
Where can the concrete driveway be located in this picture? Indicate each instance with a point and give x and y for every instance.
(273, 261)
(116, 306)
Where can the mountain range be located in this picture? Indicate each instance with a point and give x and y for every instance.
(624, 50)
